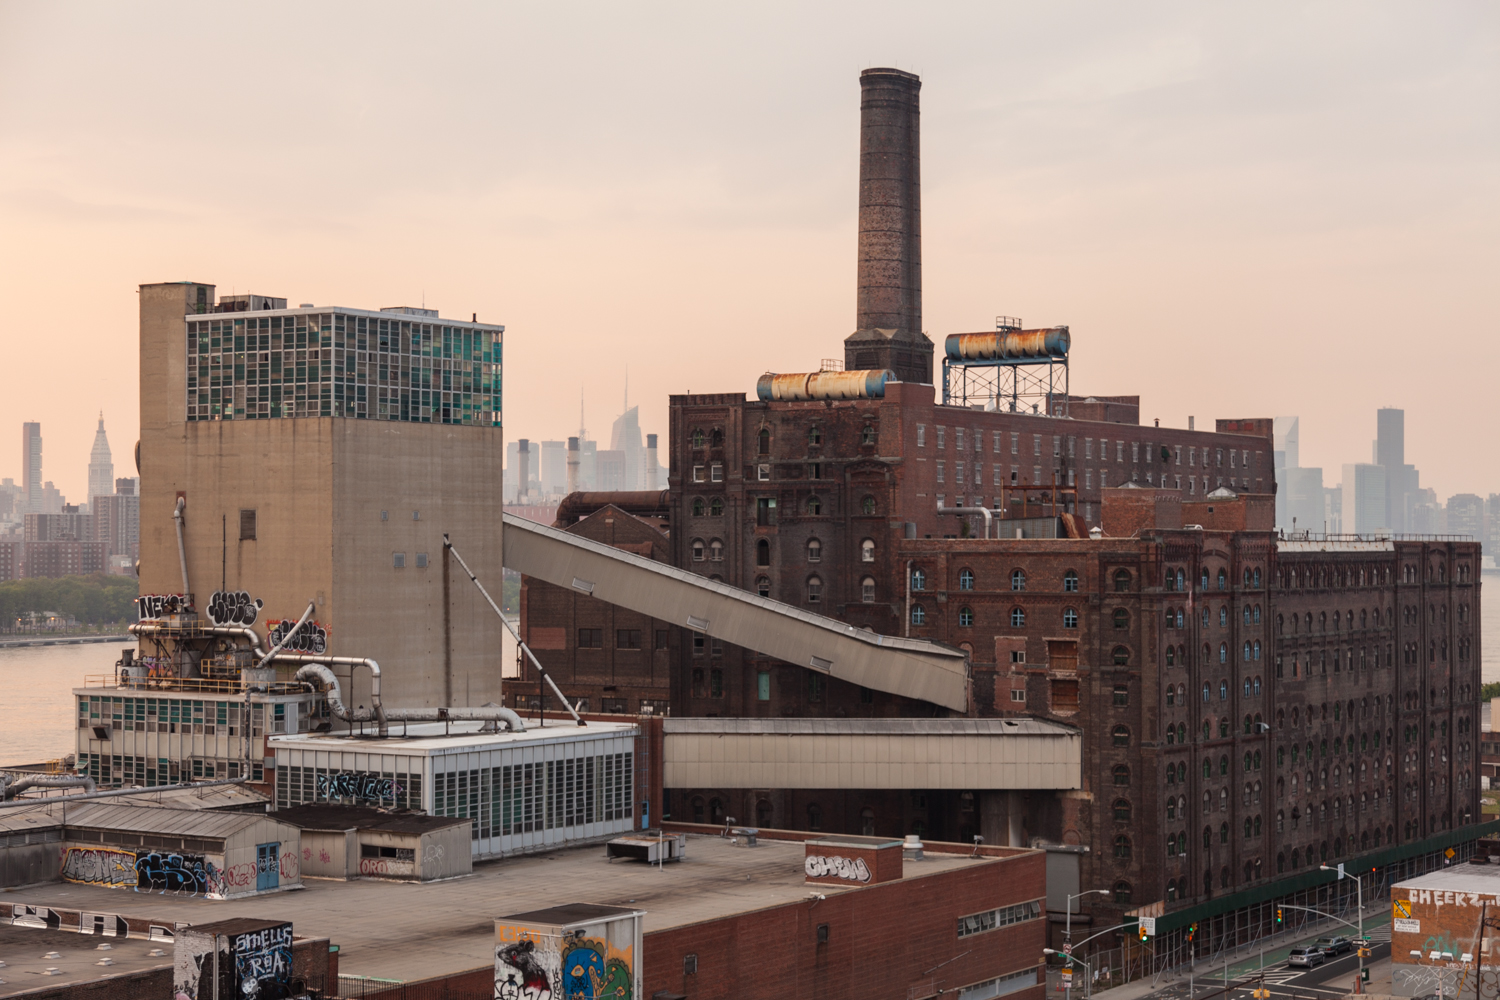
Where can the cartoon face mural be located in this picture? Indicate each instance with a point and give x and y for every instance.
(520, 973)
(587, 975)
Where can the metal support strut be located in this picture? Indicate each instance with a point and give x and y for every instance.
(529, 654)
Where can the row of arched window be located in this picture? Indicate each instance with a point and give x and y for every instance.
(1176, 579)
(1342, 621)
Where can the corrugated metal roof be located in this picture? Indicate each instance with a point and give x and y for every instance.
(19, 819)
(872, 727)
(160, 820)
(1463, 878)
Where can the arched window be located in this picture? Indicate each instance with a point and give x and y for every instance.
(867, 436)
(1245, 655)
(1122, 581)
(918, 614)
(1121, 736)
(1122, 890)
(1122, 850)
(814, 550)
(867, 505)
(1121, 773)
(1257, 614)
(814, 506)
(814, 590)
(814, 435)
(1122, 618)
(1171, 659)
(697, 437)
(1121, 656)
(1122, 810)
(1223, 652)
(966, 617)
(918, 578)
(1255, 580)
(814, 817)
(1205, 693)
(716, 551)
(1223, 690)
(764, 441)
(867, 550)
(1223, 580)
(1255, 654)
(1245, 611)
(698, 550)
(1070, 582)
(1018, 579)
(697, 506)
(716, 507)
(867, 590)
(1181, 580)
(1070, 617)
(966, 579)
(1171, 731)
(1017, 617)
(763, 586)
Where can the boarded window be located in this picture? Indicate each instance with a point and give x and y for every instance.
(247, 525)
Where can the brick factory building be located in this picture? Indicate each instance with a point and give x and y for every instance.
(1251, 704)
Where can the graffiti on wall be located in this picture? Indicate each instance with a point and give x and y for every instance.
(100, 866)
(535, 966)
(83, 922)
(263, 963)
(849, 869)
(310, 638)
(233, 607)
(149, 606)
(193, 955)
(163, 872)
(361, 786)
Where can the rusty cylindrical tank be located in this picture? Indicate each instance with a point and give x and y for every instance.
(824, 385)
(1009, 345)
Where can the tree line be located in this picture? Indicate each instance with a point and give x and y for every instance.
(93, 600)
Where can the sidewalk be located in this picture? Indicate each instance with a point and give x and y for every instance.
(1207, 975)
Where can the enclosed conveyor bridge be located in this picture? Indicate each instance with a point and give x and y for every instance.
(912, 668)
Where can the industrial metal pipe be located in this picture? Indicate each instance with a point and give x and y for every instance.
(181, 546)
(112, 793)
(989, 516)
(506, 621)
(249, 634)
(313, 659)
(10, 789)
(311, 606)
(332, 691)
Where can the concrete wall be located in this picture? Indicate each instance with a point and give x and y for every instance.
(28, 856)
(329, 854)
(318, 486)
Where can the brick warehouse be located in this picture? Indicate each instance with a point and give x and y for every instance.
(1238, 691)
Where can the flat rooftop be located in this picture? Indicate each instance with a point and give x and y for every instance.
(430, 738)
(406, 930)
(1460, 878)
(24, 951)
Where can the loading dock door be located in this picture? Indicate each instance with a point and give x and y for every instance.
(266, 867)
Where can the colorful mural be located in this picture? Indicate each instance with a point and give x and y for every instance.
(153, 871)
(532, 964)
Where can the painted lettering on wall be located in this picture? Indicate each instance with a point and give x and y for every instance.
(233, 607)
(100, 866)
(163, 872)
(850, 869)
(263, 962)
(310, 638)
(82, 922)
(361, 786)
(149, 606)
(386, 867)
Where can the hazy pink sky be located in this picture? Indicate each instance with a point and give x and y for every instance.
(1239, 210)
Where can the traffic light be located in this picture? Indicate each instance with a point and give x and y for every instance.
(1278, 914)
(1142, 928)
(1192, 930)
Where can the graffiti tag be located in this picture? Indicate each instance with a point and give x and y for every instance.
(385, 866)
(850, 869)
(358, 785)
(96, 866)
(233, 607)
(310, 638)
(263, 962)
(149, 606)
(157, 871)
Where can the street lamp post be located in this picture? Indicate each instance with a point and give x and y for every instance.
(1067, 930)
(1088, 972)
(1359, 889)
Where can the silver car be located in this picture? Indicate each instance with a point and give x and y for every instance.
(1307, 956)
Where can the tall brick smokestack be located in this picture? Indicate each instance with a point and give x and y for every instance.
(888, 318)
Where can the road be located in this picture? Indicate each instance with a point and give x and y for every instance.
(1334, 978)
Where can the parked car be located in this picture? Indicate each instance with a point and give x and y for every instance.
(1307, 956)
(1333, 946)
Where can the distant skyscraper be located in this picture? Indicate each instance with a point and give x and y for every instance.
(553, 472)
(625, 437)
(1401, 480)
(1364, 498)
(31, 467)
(101, 466)
(1286, 455)
(1466, 515)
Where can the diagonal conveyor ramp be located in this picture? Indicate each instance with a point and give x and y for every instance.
(911, 668)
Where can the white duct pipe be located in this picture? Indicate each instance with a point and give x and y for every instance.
(527, 649)
(311, 605)
(181, 546)
(312, 659)
(10, 789)
(989, 517)
(334, 695)
(112, 793)
(248, 634)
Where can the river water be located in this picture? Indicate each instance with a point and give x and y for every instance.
(36, 687)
